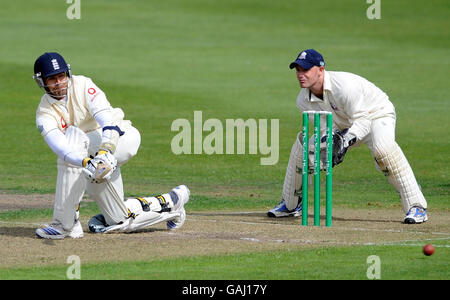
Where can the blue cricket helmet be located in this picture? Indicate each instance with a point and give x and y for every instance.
(49, 64)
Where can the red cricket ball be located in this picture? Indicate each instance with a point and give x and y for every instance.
(428, 249)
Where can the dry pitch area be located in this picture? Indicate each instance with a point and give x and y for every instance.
(209, 233)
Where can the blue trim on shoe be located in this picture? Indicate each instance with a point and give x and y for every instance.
(416, 215)
(280, 210)
(171, 224)
(51, 231)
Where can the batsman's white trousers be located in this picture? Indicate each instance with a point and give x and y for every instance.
(71, 183)
(109, 194)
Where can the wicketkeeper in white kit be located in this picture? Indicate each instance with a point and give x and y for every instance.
(92, 141)
(362, 114)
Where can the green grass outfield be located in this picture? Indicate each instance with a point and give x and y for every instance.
(163, 60)
(332, 263)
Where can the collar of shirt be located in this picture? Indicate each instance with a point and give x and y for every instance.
(326, 82)
(314, 98)
(326, 87)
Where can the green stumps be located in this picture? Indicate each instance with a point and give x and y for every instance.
(305, 170)
(316, 166)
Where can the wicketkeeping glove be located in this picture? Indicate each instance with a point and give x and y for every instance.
(342, 140)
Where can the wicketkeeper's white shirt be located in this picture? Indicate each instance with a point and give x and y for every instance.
(353, 100)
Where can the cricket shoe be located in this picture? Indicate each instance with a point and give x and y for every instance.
(416, 215)
(280, 211)
(55, 231)
(181, 193)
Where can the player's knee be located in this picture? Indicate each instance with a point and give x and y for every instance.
(384, 148)
(134, 206)
(128, 145)
(384, 154)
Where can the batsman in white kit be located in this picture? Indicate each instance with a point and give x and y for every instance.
(92, 140)
(362, 114)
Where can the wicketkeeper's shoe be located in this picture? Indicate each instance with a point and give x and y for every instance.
(416, 215)
(182, 193)
(55, 231)
(280, 211)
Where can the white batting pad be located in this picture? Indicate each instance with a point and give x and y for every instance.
(70, 184)
(395, 166)
(141, 219)
(144, 219)
(292, 180)
(109, 198)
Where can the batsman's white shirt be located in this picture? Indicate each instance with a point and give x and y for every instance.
(71, 125)
(354, 101)
(85, 107)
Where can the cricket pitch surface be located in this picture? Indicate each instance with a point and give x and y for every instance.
(214, 233)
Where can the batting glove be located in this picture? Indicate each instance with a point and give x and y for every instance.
(101, 167)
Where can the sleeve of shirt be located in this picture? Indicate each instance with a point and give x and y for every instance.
(357, 111)
(100, 108)
(96, 99)
(46, 124)
(57, 141)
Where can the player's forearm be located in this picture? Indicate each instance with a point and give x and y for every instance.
(109, 137)
(358, 113)
(57, 141)
(360, 128)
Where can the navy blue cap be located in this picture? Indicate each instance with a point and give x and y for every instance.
(307, 59)
(49, 64)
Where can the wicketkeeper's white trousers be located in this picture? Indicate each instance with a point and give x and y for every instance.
(388, 156)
